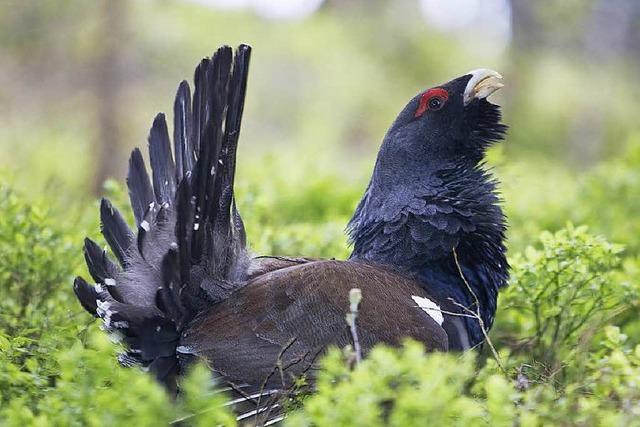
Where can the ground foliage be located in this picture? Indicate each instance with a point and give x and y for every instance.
(567, 333)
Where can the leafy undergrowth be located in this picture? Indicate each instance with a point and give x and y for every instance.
(567, 330)
(406, 387)
(561, 362)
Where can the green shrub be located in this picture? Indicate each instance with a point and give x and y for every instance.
(201, 403)
(561, 294)
(606, 395)
(392, 387)
(302, 239)
(405, 387)
(36, 261)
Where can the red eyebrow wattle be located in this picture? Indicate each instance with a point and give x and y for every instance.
(424, 99)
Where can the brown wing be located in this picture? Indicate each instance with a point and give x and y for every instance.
(293, 314)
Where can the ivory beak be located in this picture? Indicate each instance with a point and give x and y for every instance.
(483, 83)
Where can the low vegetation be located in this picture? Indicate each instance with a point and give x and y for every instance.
(566, 338)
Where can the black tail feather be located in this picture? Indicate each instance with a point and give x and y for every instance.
(184, 228)
(184, 153)
(116, 231)
(216, 76)
(86, 295)
(199, 103)
(140, 190)
(100, 266)
(189, 251)
(164, 175)
(235, 110)
(168, 297)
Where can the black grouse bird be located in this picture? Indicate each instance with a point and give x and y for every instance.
(427, 236)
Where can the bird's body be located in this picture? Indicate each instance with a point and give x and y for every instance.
(428, 250)
(296, 312)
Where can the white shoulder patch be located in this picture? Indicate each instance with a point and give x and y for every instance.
(430, 307)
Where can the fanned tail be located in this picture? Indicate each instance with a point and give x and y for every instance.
(189, 249)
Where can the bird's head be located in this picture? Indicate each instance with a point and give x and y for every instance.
(452, 122)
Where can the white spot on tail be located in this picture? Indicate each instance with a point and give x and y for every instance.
(145, 225)
(430, 307)
(109, 281)
(184, 349)
(103, 309)
(115, 336)
(120, 324)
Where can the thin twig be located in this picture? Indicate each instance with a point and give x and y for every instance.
(286, 393)
(277, 365)
(464, 279)
(476, 314)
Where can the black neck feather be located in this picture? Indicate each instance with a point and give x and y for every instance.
(417, 226)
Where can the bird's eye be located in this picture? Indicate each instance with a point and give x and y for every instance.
(432, 100)
(436, 103)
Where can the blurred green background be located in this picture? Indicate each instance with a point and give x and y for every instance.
(80, 82)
